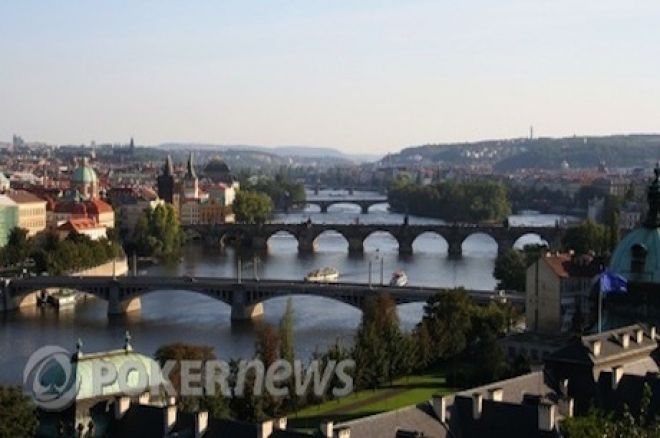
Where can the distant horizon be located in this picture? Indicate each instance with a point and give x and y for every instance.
(210, 145)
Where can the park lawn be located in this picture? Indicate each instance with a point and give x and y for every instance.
(403, 392)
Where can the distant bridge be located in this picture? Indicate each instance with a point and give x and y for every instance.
(245, 298)
(256, 236)
(363, 203)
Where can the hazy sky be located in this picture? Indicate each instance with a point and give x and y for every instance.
(362, 76)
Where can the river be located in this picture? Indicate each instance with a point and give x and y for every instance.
(172, 316)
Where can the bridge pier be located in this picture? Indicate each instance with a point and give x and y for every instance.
(355, 245)
(240, 311)
(117, 306)
(405, 246)
(455, 250)
(259, 242)
(305, 245)
(365, 208)
(324, 207)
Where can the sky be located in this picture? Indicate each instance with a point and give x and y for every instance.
(368, 76)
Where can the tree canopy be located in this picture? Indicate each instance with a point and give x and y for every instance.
(158, 232)
(252, 207)
(17, 413)
(588, 236)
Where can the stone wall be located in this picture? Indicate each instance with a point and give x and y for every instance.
(121, 268)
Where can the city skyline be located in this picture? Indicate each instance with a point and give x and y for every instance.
(368, 78)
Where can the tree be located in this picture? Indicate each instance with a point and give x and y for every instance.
(267, 345)
(158, 232)
(588, 236)
(18, 246)
(510, 270)
(17, 414)
(447, 319)
(252, 207)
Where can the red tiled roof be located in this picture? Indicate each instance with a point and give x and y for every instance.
(78, 225)
(567, 265)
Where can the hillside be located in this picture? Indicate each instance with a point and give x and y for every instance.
(543, 153)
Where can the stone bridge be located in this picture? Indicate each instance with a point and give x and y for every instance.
(245, 298)
(363, 203)
(256, 236)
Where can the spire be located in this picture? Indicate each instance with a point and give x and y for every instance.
(168, 169)
(653, 195)
(191, 168)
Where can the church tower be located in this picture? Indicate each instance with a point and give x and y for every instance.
(166, 182)
(190, 181)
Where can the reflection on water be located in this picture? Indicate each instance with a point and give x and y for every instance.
(171, 316)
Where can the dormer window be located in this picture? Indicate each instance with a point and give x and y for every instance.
(638, 258)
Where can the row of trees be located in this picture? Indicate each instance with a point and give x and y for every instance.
(57, 257)
(470, 201)
(283, 192)
(252, 207)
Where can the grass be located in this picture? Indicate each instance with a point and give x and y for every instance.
(402, 392)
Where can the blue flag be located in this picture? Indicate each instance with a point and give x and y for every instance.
(611, 283)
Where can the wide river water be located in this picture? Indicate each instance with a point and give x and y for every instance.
(176, 316)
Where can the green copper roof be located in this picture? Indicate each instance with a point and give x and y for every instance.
(118, 360)
(648, 239)
(637, 256)
(84, 174)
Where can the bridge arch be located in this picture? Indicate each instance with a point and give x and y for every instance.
(345, 301)
(341, 206)
(378, 207)
(480, 244)
(529, 238)
(430, 242)
(282, 239)
(388, 242)
(330, 240)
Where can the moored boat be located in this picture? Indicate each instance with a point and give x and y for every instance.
(323, 275)
(399, 279)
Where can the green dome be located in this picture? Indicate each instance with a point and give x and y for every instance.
(84, 174)
(637, 256)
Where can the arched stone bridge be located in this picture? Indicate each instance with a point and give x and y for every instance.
(245, 298)
(256, 236)
(363, 203)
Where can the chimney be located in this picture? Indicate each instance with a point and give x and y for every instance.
(546, 417)
(327, 429)
(477, 405)
(496, 394)
(570, 408)
(121, 406)
(625, 340)
(639, 336)
(344, 432)
(280, 423)
(595, 347)
(617, 373)
(563, 387)
(201, 423)
(266, 429)
(170, 417)
(440, 407)
(652, 330)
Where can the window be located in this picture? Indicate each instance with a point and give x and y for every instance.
(638, 258)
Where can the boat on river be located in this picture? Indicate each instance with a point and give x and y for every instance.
(399, 278)
(323, 275)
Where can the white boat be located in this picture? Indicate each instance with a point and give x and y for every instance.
(323, 275)
(63, 298)
(399, 279)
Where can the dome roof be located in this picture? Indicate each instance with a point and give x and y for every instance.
(216, 164)
(84, 174)
(637, 256)
(642, 246)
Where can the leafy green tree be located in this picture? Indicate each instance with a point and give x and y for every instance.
(252, 207)
(158, 232)
(447, 319)
(510, 270)
(588, 236)
(18, 246)
(17, 413)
